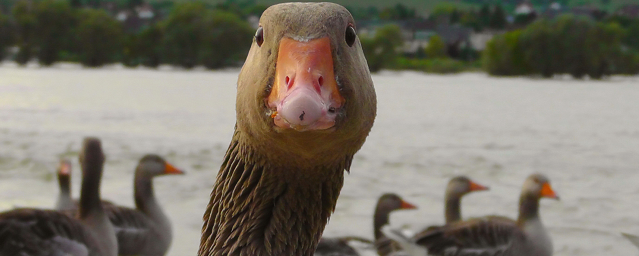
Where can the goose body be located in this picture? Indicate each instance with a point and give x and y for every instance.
(305, 105)
(492, 235)
(144, 230)
(34, 232)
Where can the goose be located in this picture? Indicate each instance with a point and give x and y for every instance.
(491, 235)
(305, 105)
(386, 204)
(35, 232)
(64, 201)
(144, 230)
(457, 188)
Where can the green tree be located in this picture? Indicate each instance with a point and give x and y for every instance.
(7, 35)
(484, 15)
(99, 38)
(436, 48)
(541, 48)
(504, 55)
(498, 18)
(382, 50)
(455, 16)
(222, 37)
(131, 50)
(632, 35)
(182, 34)
(134, 3)
(26, 23)
(76, 3)
(150, 46)
(53, 31)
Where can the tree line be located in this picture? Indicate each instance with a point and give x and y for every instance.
(566, 45)
(191, 35)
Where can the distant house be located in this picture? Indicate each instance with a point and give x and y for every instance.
(629, 10)
(145, 12)
(524, 8)
(554, 9)
(479, 40)
(137, 18)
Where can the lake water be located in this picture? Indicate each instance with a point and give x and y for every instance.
(583, 134)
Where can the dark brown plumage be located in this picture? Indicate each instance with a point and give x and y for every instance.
(494, 235)
(278, 186)
(144, 230)
(34, 232)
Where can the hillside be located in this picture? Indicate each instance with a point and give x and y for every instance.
(424, 6)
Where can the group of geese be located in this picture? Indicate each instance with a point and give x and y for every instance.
(305, 105)
(490, 235)
(91, 226)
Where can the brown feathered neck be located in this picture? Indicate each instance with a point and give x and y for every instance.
(257, 208)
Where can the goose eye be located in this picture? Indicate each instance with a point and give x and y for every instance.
(350, 35)
(259, 36)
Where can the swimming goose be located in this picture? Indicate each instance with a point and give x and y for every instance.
(305, 105)
(492, 235)
(64, 201)
(457, 188)
(386, 204)
(145, 230)
(34, 232)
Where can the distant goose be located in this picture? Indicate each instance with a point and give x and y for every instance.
(305, 105)
(491, 235)
(34, 232)
(386, 204)
(64, 201)
(457, 188)
(145, 230)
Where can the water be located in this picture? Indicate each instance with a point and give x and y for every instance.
(583, 134)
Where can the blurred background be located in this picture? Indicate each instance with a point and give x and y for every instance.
(494, 90)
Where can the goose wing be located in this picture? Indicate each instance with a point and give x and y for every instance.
(481, 236)
(32, 232)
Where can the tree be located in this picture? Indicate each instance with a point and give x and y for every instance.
(504, 55)
(134, 3)
(25, 24)
(221, 42)
(484, 15)
(498, 18)
(76, 3)
(632, 36)
(455, 16)
(182, 34)
(53, 31)
(7, 35)
(99, 38)
(436, 48)
(150, 46)
(382, 50)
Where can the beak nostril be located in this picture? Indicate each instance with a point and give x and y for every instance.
(320, 80)
(288, 85)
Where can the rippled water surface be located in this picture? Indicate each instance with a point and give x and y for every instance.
(583, 134)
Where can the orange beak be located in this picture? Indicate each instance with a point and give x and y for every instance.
(305, 95)
(170, 169)
(546, 191)
(407, 205)
(477, 187)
